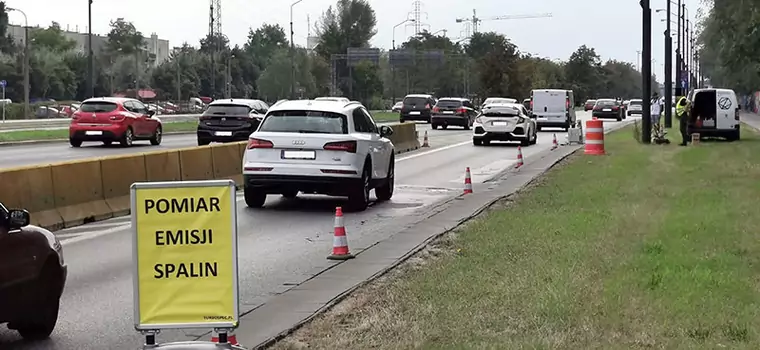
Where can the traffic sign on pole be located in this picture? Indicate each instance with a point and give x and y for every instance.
(185, 255)
(3, 83)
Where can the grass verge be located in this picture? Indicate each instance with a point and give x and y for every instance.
(648, 247)
(383, 117)
(55, 134)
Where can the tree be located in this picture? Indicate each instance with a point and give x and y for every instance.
(264, 42)
(274, 82)
(124, 38)
(6, 42)
(496, 63)
(442, 77)
(583, 73)
(51, 38)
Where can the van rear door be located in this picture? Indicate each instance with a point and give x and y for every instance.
(550, 105)
(727, 109)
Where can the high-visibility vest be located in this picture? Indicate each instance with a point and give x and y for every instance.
(680, 109)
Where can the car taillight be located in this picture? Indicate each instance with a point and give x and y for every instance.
(346, 146)
(436, 109)
(259, 143)
(567, 103)
(614, 108)
(116, 117)
(461, 110)
(427, 106)
(205, 117)
(736, 114)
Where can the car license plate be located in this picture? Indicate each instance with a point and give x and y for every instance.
(448, 112)
(500, 123)
(414, 113)
(93, 133)
(607, 110)
(708, 123)
(223, 133)
(310, 155)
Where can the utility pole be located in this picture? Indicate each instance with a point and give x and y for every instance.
(679, 51)
(687, 55)
(646, 71)
(179, 82)
(292, 55)
(90, 55)
(668, 71)
(25, 69)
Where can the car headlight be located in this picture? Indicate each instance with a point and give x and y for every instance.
(520, 120)
(479, 120)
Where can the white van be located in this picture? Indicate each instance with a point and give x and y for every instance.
(714, 113)
(553, 108)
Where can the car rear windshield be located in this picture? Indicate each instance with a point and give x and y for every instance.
(98, 107)
(415, 101)
(605, 102)
(222, 110)
(449, 103)
(636, 102)
(305, 122)
(501, 112)
(591, 101)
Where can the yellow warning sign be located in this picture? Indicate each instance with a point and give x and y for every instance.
(185, 248)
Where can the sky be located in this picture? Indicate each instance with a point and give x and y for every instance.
(611, 27)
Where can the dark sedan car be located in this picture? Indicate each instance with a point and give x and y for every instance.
(589, 105)
(608, 108)
(416, 107)
(453, 111)
(230, 120)
(32, 275)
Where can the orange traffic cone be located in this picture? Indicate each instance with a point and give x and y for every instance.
(554, 142)
(231, 338)
(425, 140)
(467, 181)
(340, 242)
(519, 157)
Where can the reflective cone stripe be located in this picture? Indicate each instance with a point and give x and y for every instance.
(340, 241)
(231, 338)
(519, 157)
(425, 140)
(594, 137)
(467, 181)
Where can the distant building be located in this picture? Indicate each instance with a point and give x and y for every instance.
(158, 48)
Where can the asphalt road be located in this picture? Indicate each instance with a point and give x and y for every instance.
(280, 245)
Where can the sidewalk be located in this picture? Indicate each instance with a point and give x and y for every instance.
(751, 119)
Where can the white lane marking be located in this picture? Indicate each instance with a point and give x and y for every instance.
(416, 155)
(89, 236)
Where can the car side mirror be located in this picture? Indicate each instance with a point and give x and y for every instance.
(151, 113)
(18, 218)
(386, 131)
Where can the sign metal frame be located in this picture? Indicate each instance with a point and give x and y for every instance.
(135, 269)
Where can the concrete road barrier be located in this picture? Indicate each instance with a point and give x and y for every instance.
(72, 193)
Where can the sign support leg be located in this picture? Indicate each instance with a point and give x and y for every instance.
(150, 339)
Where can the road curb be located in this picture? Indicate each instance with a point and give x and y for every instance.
(40, 142)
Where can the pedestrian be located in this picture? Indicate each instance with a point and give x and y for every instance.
(655, 109)
(683, 120)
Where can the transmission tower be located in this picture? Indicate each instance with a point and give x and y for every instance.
(215, 35)
(417, 14)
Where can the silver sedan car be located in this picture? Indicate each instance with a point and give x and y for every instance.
(504, 122)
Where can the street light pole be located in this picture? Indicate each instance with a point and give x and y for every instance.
(679, 52)
(292, 55)
(26, 61)
(393, 68)
(646, 71)
(90, 56)
(668, 71)
(687, 54)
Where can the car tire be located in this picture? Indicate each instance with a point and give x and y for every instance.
(434, 126)
(46, 316)
(358, 199)
(385, 192)
(527, 141)
(127, 138)
(107, 143)
(253, 198)
(75, 143)
(535, 138)
(401, 120)
(619, 118)
(157, 136)
(444, 126)
(735, 136)
(477, 142)
(290, 194)
(203, 142)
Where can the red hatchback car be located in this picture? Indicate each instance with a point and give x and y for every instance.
(114, 119)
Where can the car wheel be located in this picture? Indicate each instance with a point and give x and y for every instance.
(254, 199)
(467, 125)
(434, 126)
(157, 136)
(385, 192)
(203, 142)
(534, 139)
(526, 142)
(45, 317)
(290, 194)
(477, 142)
(358, 200)
(127, 138)
(619, 118)
(107, 143)
(444, 126)
(401, 120)
(75, 142)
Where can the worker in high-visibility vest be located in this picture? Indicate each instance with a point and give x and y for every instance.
(683, 119)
